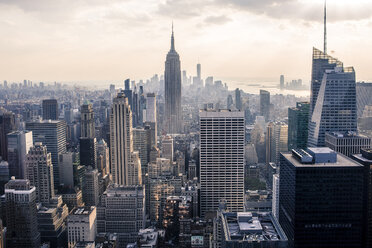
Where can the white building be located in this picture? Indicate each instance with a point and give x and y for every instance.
(222, 142)
(82, 225)
(19, 142)
(275, 201)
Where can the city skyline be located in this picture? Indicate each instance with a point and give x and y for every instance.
(109, 41)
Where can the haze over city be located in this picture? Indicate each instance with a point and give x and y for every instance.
(241, 41)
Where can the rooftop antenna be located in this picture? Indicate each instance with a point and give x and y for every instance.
(325, 27)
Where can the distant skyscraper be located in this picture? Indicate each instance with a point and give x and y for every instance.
(298, 120)
(142, 144)
(172, 80)
(222, 141)
(322, 197)
(87, 121)
(238, 100)
(21, 214)
(334, 107)
(121, 142)
(50, 109)
(40, 172)
(198, 71)
(167, 148)
(276, 141)
(128, 92)
(282, 81)
(230, 102)
(265, 104)
(141, 106)
(151, 117)
(52, 134)
(19, 143)
(7, 125)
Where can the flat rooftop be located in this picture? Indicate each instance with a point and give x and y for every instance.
(340, 161)
(83, 211)
(251, 227)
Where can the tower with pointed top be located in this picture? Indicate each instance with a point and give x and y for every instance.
(172, 78)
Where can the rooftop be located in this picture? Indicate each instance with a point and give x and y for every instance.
(83, 211)
(251, 227)
(319, 156)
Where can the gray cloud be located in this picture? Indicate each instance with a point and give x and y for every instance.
(219, 20)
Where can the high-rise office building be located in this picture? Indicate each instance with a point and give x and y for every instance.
(91, 187)
(2, 235)
(120, 138)
(82, 225)
(21, 214)
(276, 141)
(347, 143)
(334, 107)
(51, 134)
(365, 158)
(142, 144)
(172, 84)
(265, 104)
(88, 151)
(151, 107)
(39, 169)
(117, 200)
(298, 120)
(51, 220)
(275, 200)
(7, 125)
(19, 143)
(50, 109)
(238, 99)
(167, 148)
(103, 157)
(322, 199)
(128, 92)
(87, 121)
(281, 81)
(230, 102)
(222, 141)
(198, 72)
(141, 106)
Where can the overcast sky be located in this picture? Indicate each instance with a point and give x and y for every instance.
(246, 40)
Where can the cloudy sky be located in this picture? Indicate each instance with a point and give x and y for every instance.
(245, 40)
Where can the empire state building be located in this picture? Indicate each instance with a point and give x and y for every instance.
(172, 83)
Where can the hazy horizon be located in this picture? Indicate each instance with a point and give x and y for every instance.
(253, 41)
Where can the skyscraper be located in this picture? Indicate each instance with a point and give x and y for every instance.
(88, 151)
(121, 142)
(21, 214)
(198, 71)
(7, 125)
(91, 187)
(118, 200)
(322, 198)
(82, 225)
(222, 140)
(265, 104)
(238, 99)
(19, 143)
(87, 121)
(334, 107)
(51, 134)
(230, 101)
(282, 81)
(298, 120)
(151, 117)
(172, 83)
(40, 172)
(167, 148)
(50, 109)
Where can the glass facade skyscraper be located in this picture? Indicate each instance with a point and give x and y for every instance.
(298, 120)
(334, 107)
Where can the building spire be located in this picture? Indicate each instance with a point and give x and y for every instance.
(325, 27)
(172, 39)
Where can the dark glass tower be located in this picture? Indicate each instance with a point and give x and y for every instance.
(172, 82)
(265, 104)
(298, 120)
(322, 199)
(50, 109)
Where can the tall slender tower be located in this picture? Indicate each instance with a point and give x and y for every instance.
(172, 78)
(325, 27)
(126, 167)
